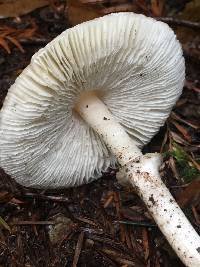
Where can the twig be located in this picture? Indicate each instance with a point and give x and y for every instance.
(45, 197)
(33, 223)
(107, 241)
(182, 130)
(141, 224)
(91, 231)
(196, 216)
(118, 8)
(35, 41)
(4, 224)
(195, 163)
(108, 201)
(127, 236)
(94, 2)
(164, 141)
(85, 220)
(78, 249)
(178, 118)
(110, 261)
(145, 243)
(119, 257)
(180, 22)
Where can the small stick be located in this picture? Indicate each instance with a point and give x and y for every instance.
(34, 41)
(85, 220)
(46, 197)
(141, 224)
(196, 216)
(78, 249)
(145, 243)
(180, 22)
(118, 257)
(33, 223)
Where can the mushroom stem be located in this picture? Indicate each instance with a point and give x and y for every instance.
(143, 173)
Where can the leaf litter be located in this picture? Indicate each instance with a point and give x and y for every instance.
(102, 223)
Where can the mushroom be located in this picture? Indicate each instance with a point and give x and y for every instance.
(93, 96)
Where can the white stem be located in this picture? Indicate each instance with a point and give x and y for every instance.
(142, 171)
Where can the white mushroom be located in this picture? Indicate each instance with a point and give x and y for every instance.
(113, 80)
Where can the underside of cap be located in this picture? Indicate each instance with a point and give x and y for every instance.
(137, 64)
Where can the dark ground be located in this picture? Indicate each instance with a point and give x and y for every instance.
(100, 224)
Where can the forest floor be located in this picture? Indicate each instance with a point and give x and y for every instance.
(102, 223)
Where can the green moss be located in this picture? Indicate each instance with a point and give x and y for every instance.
(187, 171)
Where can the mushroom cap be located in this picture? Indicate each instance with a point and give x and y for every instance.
(135, 62)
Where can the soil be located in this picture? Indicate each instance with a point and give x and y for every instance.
(102, 223)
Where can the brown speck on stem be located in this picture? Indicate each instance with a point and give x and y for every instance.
(151, 198)
(130, 176)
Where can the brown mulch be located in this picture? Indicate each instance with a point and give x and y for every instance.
(102, 223)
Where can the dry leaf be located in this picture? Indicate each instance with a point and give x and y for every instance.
(4, 224)
(14, 36)
(192, 11)
(189, 193)
(119, 8)
(83, 10)
(196, 215)
(182, 130)
(5, 196)
(4, 44)
(101, 1)
(190, 38)
(16, 43)
(15, 8)
(157, 7)
(16, 201)
(78, 12)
